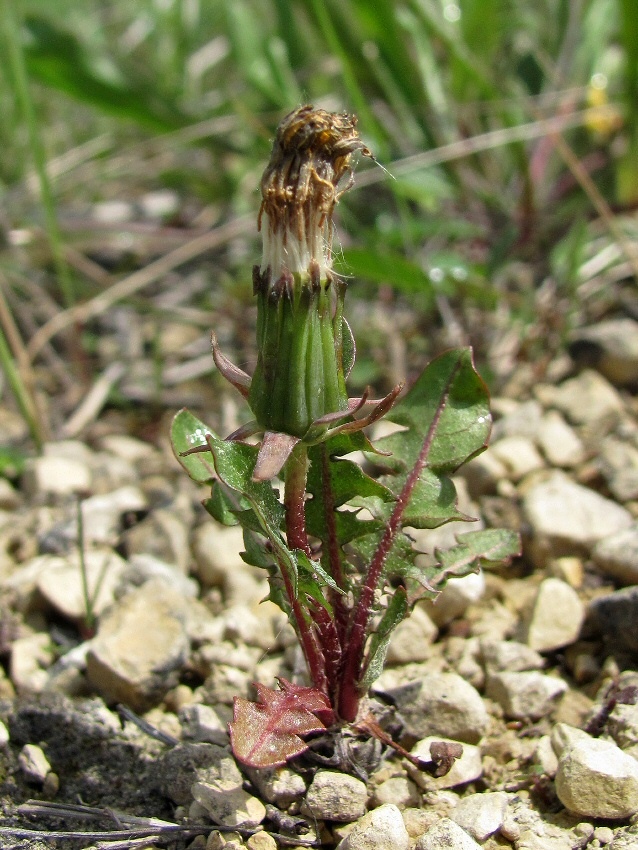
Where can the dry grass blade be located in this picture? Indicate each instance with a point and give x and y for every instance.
(137, 281)
(487, 141)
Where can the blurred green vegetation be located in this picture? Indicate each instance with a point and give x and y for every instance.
(457, 99)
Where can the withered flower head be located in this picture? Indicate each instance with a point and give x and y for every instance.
(300, 188)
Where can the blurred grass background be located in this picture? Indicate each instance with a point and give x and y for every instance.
(134, 135)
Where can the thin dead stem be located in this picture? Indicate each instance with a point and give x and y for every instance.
(138, 280)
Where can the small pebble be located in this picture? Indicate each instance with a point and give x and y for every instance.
(261, 841)
(446, 833)
(336, 797)
(604, 834)
(33, 763)
(481, 814)
(380, 829)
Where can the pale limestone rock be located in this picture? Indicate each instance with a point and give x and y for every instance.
(61, 583)
(481, 815)
(216, 552)
(518, 455)
(622, 725)
(509, 656)
(228, 804)
(456, 597)
(558, 441)
(618, 462)
(545, 756)
(588, 399)
(205, 723)
(466, 769)
(140, 646)
(442, 704)
(596, 779)
(380, 829)
(556, 618)
(398, 790)
(336, 797)
(31, 656)
(261, 841)
(446, 834)
(565, 517)
(412, 638)
(33, 763)
(520, 419)
(102, 514)
(525, 696)
(617, 555)
(279, 785)
(52, 475)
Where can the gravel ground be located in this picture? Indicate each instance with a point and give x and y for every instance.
(122, 706)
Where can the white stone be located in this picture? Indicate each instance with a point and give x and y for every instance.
(4, 734)
(228, 804)
(521, 420)
(261, 841)
(446, 834)
(565, 516)
(33, 763)
(216, 552)
(596, 779)
(481, 814)
(501, 656)
(280, 785)
(456, 597)
(556, 618)
(101, 514)
(618, 462)
(398, 790)
(442, 704)
(412, 638)
(62, 585)
(558, 441)
(518, 455)
(622, 725)
(144, 567)
(525, 696)
(585, 400)
(31, 656)
(545, 756)
(617, 555)
(466, 769)
(380, 829)
(50, 475)
(204, 723)
(336, 797)
(140, 645)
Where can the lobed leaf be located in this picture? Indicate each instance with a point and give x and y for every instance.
(269, 732)
(494, 545)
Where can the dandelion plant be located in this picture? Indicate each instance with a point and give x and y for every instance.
(339, 561)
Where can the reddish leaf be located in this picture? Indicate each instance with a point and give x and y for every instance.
(268, 733)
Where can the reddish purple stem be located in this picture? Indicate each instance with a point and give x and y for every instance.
(349, 695)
